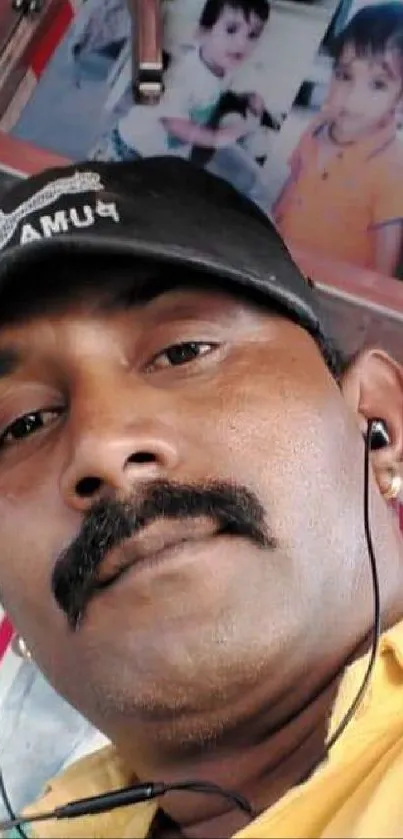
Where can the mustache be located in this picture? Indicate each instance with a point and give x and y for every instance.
(110, 522)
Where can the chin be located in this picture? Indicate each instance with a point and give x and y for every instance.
(149, 688)
(167, 722)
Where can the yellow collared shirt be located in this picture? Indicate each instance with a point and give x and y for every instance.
(357, 794)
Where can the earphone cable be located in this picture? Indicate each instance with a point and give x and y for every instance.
(10, 811)
(376, 628)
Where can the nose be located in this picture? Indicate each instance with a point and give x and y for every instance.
(240, 42)
(114, 449)
(354, 99)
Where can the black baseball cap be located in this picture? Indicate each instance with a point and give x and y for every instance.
(161, 209)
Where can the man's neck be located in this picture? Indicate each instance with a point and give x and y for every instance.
(273, 748)
(263, 769)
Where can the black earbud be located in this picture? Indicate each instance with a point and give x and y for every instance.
(27, 7)
(379, 435)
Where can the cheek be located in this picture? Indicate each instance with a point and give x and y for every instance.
(250, 46)
(268, 419)
(335, 95)
(374, 104)
(390, 101)
(218, 42)
(276, 436)
(30, 543)
(31, 534)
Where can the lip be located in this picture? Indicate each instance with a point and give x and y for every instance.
(174, 556)
(150, 548)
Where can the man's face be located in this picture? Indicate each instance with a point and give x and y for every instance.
(231, 40)
(191, 391)
(365, 92)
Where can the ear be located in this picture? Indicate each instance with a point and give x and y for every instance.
(373, 388)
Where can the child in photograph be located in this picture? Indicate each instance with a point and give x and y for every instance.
(227, 35)
(344, 196)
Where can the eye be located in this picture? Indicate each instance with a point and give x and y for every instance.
(379, 84)
(27, 425)
(179, 354)
(342, 75)
(232, 28)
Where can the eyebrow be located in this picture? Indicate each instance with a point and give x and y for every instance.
(10, 360)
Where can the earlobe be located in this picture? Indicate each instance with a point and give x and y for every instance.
(395, 487)
(379, 439)
(373, 388)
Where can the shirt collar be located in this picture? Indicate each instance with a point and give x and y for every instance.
(363, 149)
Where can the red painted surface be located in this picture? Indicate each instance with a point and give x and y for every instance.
(24, 158)
(43, 51)
(358, 283)
(6, 634)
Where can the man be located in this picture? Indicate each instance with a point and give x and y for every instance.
(182, 529)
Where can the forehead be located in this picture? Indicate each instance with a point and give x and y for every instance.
(389, 62)
(230, 14)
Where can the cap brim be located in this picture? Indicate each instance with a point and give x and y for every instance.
(274, 286)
